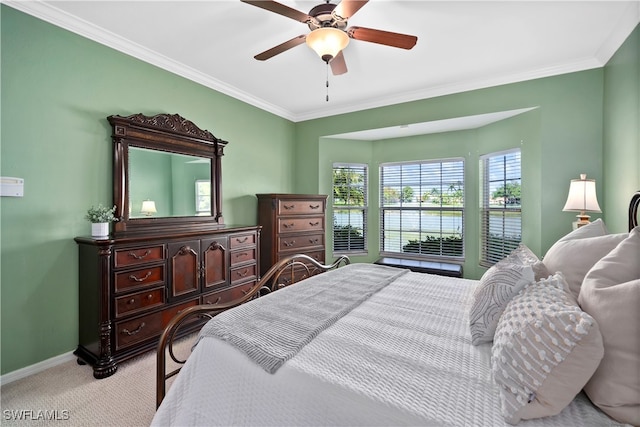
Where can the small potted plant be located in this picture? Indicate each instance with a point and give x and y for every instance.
(100, 216)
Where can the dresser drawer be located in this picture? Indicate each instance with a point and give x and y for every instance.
(300, 207)
(241, 274)
(135, 330)
(293, 243)
(170, 313)
(241, 240)
(290, 276)
(291, 225)
(129, 257)
(317, 255)
(228, 295)
(132, 303)
(243, 256)
(126, 280)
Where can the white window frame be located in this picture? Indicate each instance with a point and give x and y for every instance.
(356, 215)
(423, 205)
(493, 247)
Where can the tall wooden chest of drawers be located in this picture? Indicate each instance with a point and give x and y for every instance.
(291, 224)
(131, 287)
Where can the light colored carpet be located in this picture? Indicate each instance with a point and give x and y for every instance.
(70, 393)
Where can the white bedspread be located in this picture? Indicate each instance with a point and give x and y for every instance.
(403, 357)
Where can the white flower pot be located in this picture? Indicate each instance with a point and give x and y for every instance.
(100, 229)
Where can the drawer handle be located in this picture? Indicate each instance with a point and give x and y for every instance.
(135, 331)
(314, 206)
(150, 297)
(241, 254)
(131, 301)
(313, 240)
(216, 301)
(289, 225)
(242, 240)
(243, 272)
(313, 224)
(143, 256)
(289, 244)
(136, 279)
(289, 206)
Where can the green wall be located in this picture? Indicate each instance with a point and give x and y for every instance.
(621, 131)
(57, 90)
(562, 137)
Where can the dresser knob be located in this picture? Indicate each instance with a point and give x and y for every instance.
(136, 256)
(140, 279)
(215, 302)
(135, 331)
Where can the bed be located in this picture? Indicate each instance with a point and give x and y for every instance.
(376, 345)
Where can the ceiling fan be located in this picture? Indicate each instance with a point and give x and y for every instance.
(329, 33)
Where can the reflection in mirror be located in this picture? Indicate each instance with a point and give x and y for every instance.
(168, 180)
(203, 197)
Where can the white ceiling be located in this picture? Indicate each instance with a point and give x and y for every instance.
(462, 45)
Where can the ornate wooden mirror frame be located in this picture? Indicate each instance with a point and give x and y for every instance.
(168, 133)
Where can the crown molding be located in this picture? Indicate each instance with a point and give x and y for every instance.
(48, 13)
(449, 89)
(55, 16)
(623, 29)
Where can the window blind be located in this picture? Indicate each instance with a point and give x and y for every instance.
(501, 212)
(349, 208)
(422, 208)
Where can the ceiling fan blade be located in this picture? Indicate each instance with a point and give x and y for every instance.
(338, 65)
(347, 8)
(388, 38)
(280, 9)
(281, 48)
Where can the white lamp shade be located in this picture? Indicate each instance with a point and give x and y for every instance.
(582, 196)
(148, 207)
(327, 42)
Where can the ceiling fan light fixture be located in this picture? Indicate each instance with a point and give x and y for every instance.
(327, 42)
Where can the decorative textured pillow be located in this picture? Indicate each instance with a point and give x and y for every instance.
(544, 351)
(526, 256)
(611, 294)
(578, 251)
(497, 286)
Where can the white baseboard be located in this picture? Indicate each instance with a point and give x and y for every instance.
(36, 368)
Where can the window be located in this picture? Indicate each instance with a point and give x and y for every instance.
(349, 208)
(500, 209)
(422, 208)
(203, 197)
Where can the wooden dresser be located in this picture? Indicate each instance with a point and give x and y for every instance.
(291, 224)
(130, 287)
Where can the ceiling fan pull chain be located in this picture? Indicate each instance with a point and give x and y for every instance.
(327, 81)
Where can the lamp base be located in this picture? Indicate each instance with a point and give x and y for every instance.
(582, 220)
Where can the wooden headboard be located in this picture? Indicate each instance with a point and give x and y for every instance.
(633, 210)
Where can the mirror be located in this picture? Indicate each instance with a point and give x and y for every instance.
(177, 184)
(167, 174)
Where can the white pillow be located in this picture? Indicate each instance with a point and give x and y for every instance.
(611, 294)
(544, 351)
(496, 288)
(578, 251)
